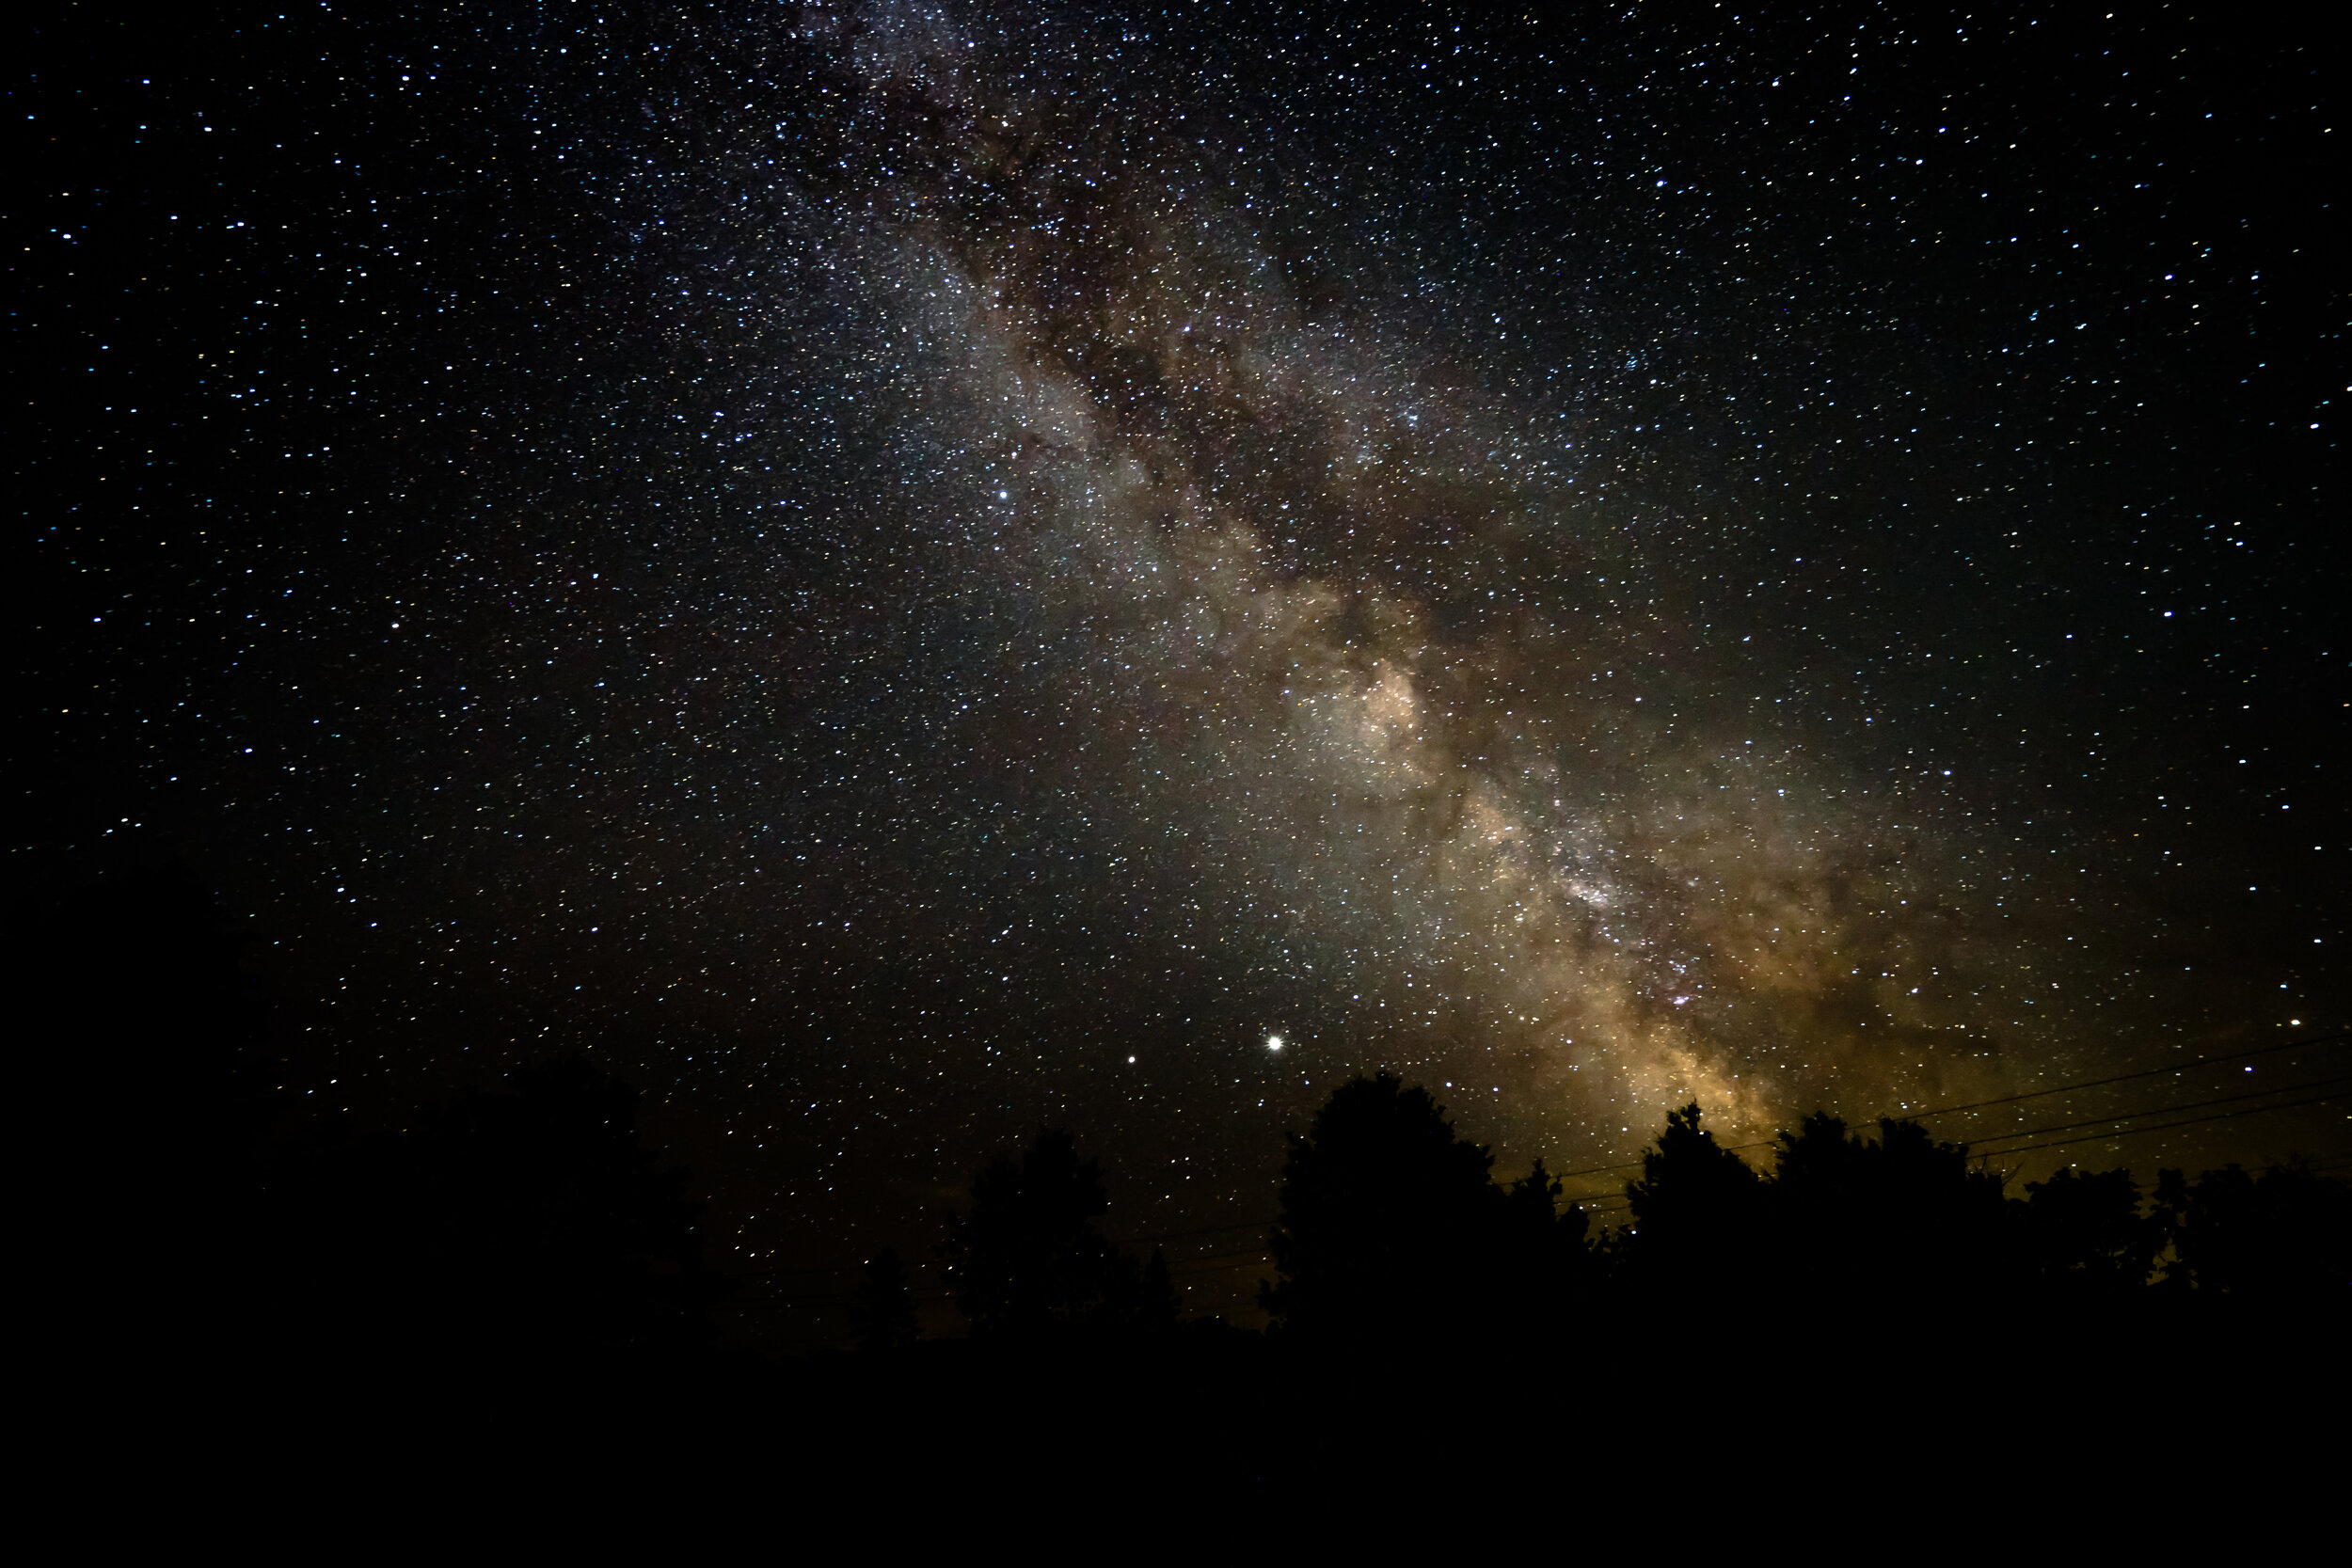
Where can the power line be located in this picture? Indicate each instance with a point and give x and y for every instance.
(2188, 1121)
(2144, 1072)
(1594, 1205)
(1611, 1202)
(1179, 1235)
(1225, 1268)
(1192, 1265)
(1599, 1202)
(1226, 1261)
(2161, 1110)
(2030, 1093)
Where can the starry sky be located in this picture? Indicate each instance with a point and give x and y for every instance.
(896, 572)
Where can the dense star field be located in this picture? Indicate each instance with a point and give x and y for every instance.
(896, 572)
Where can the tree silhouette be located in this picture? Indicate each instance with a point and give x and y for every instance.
(1548, 1267)
(1029, 1264)
(1864, 1223)
(1153, 1309)
(168, 1130)
(2283, 1235)
(529, 1232)
(529, 1228)
(1698, 1211)
(510, 1231)
(1137, 1302)
(883, 1315)
(1384, 1211)
(1391, 1226)
(2084, 1234)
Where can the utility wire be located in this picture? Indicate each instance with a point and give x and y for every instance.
(1179, 1235)
(1595, 1203)
(1226, 1261)
(1611, 1203)
(2144, 1072)
(2030, 1093)
(2159, 1111)
(2188, 1121)
(1193, 1264)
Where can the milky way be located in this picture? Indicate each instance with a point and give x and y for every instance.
(902, 573)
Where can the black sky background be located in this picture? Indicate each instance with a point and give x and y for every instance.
(481, 483)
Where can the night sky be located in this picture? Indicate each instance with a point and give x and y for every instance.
(898, 573)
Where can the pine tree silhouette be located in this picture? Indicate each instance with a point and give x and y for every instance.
(1029, 1265)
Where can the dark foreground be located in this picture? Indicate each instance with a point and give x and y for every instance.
(507, 1300)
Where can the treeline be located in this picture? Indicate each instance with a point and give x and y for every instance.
(223, 1227)
(1393, 1230)
(528, 1231)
